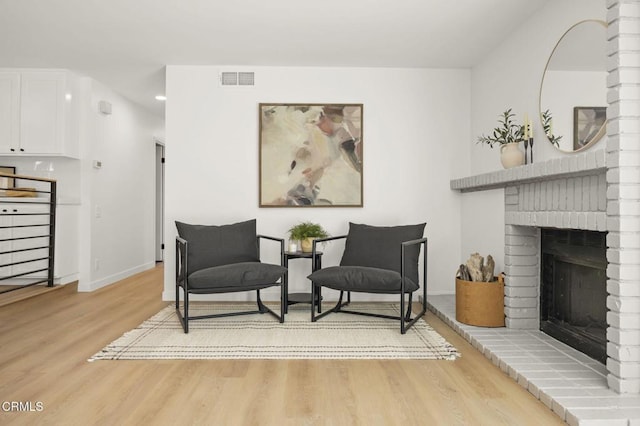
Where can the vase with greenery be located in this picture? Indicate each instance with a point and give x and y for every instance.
(306, 232)
(508, 135)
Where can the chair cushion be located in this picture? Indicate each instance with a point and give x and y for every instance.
(211, 245)
(361, 278)
(379, 247)
(236, 277)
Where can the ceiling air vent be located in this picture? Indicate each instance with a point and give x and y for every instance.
(237, 78)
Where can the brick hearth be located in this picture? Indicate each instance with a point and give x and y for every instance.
(570, 383)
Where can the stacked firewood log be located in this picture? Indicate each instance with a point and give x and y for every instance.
(476, 270)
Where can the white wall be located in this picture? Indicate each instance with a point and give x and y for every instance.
(510, 77)
(416, 124)
(122, 193)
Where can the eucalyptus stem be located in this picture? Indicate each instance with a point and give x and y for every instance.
(508, 132)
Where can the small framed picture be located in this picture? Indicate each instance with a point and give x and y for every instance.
(588, 125)
(5, 181)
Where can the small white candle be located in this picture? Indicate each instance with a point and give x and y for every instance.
(530, 129)
(293, 246)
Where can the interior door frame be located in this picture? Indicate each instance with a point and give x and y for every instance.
(159, 210)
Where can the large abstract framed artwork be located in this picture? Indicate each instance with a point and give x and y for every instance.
(310, 155)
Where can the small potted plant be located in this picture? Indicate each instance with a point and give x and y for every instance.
(306, 232)
(508, 136)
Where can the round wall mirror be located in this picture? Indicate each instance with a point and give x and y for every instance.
(573, 92)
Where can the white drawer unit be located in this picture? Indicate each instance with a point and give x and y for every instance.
(24, 240)
(27, 235)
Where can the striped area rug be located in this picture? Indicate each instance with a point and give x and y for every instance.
(337, 336)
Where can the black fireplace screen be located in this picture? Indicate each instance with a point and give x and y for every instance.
(573, 305)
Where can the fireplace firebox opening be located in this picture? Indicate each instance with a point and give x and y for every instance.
(573, 293)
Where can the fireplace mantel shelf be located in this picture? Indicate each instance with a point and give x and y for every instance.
(583, 164)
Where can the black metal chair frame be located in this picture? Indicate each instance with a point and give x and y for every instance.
(405, 319)
(182, 280)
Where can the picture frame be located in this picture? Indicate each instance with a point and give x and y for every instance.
(310, 155)
(589, 125)
(7, 183)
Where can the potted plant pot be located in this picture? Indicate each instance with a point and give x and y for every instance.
(306, 232)
(510, 155)
(307, 244)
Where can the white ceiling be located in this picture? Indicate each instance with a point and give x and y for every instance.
(127, 43)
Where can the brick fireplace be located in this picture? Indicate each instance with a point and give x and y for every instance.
(574, 193)
(568, 193)
(598, 190)
(573, 200)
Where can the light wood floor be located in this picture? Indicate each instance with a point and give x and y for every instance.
(45, 343)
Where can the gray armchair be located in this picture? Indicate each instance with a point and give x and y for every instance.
(380, 260)
(225, 259)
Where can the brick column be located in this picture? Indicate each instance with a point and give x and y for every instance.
(623, 195)
(522, 268)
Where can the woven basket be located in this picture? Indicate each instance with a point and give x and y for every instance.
(480, 303)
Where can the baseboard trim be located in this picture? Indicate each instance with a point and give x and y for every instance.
(111, 279)
(66, 279)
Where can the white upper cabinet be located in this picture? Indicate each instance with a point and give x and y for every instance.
(42, 112)
(9, 110)
(36, 113)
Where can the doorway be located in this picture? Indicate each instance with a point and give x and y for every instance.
(159, 201)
